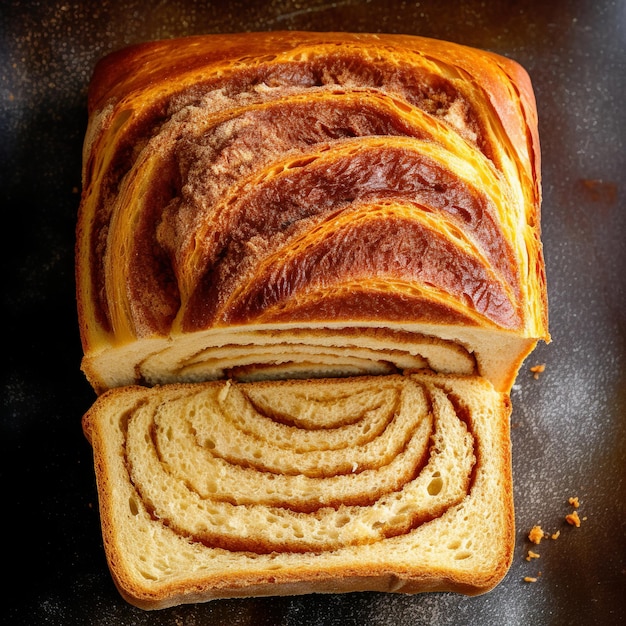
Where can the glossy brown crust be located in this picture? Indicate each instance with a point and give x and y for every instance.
(354, 250)
(214, 166)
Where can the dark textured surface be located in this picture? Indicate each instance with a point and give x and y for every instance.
(568, 426)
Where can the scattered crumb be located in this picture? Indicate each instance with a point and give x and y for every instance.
(536, 534)
(537, 369)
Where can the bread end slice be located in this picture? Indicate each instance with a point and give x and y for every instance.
(396, 483)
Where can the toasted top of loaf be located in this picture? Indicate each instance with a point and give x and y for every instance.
(228, 489)
(304, 185)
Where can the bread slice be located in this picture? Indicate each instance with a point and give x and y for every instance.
(290, 204)
(397, 483)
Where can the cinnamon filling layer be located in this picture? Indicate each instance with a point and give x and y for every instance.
(257, 470)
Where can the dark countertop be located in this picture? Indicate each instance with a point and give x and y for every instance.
(568, 426)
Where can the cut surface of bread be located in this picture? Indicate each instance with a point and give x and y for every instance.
(226, 489)
(289, 204)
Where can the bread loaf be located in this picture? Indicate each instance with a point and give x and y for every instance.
(262, 208)
(287, 204)
(226, 489)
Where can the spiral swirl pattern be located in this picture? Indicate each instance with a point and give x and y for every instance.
(274, 483)
(221, 469)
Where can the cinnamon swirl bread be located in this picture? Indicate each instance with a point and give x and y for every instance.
(307, 206)
(287, 204)
(226, 489)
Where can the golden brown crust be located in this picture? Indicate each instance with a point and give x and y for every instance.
(408, 166)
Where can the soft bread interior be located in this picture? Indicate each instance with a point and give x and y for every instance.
(305, 352)
(224, 489)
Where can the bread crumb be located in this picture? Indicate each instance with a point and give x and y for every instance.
(537, 369)
(536, 534)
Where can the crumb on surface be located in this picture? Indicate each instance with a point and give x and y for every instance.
(536, 534)
(537, 369)
(574, 502)
(573, 519)
(530, 579)
(555, 535)
(532, 555)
